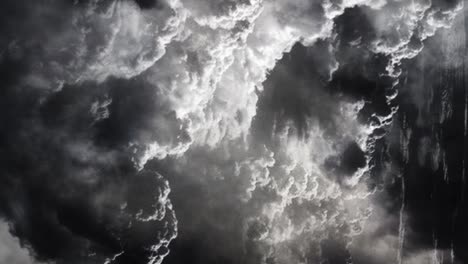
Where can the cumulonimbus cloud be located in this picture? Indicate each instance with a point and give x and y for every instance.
(101, 88)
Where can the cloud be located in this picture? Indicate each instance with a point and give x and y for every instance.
(10, 249)
(252, 112)
(58, 174)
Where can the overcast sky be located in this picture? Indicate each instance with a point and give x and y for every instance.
(233, 131)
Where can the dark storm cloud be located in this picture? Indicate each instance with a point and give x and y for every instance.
(210, 219)
(92, 90)
(137, 115)
(298, 88)
(69, 185)
(212, 225)
(359, 75)
(425, 151)
(432, 121)
(73, 41)
(70, 195)
(295, 92)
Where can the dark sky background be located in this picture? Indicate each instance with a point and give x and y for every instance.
(233, 131)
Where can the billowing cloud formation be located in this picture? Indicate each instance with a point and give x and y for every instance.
(261, 116)
(84, 198)
(89, 40)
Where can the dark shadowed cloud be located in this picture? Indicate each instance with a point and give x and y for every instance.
(233, 131)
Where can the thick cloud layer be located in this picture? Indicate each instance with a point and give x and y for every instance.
(252, 130)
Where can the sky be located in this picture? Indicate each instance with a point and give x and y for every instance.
(233, 131)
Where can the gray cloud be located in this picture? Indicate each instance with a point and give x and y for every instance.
(11, 250)
(257, 119)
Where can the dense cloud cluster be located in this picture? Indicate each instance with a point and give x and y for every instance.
(232, 131)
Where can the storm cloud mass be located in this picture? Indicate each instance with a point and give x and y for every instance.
(233, 131)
